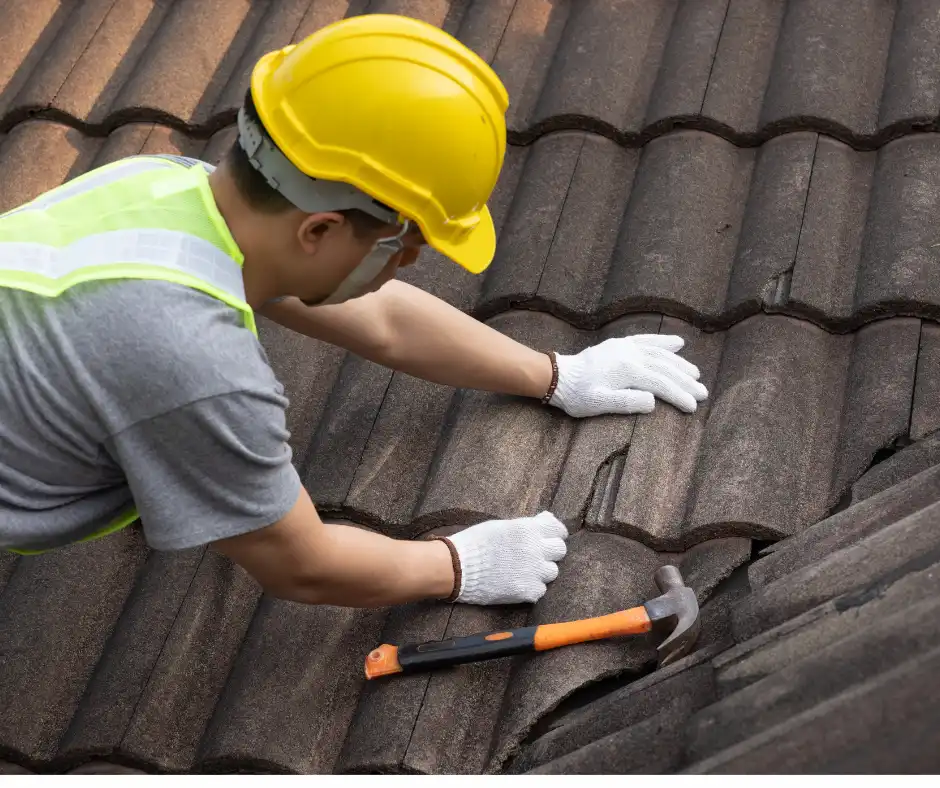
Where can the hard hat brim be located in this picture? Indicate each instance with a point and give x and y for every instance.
(476, 250)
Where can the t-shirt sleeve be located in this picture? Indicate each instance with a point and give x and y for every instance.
(215, 468)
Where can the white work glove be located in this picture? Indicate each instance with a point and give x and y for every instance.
(509, 561)
(625, 374)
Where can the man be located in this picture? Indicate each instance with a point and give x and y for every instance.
(134, 383)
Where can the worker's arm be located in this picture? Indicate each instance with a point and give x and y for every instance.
(407, 329)
(302, 559)
(218, 471)
(411, 331)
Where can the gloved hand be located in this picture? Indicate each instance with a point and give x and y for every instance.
(509, 561)
(625, 374)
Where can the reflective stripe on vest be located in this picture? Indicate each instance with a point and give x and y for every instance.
(144, 217)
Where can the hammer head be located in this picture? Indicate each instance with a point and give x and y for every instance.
(675, 610)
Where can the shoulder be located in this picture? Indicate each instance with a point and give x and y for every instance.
(162, 345)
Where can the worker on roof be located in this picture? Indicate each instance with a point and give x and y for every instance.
(133, 381)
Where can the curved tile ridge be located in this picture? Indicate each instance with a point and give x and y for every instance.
(515, 138)
(795, 416)
(628, 69)
(803, 226)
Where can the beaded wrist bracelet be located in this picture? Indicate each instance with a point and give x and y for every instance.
(551, 389)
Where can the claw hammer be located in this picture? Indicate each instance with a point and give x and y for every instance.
(674, 611)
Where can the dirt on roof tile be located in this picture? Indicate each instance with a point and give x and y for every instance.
(292, 691)
(134, 648)
(845, 528)
(793, 676)
(905, 462)
(690, 680)
(904, 546)
(925, 416)
(900, 704)
(56, 625)
(185, 683)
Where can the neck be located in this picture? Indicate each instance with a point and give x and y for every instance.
(259, 279)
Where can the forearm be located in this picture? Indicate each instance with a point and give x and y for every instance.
(359, 568)
(406, 329)
(430, 339)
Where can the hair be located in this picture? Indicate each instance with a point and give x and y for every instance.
(259, 194)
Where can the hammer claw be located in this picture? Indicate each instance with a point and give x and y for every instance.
(677, 609)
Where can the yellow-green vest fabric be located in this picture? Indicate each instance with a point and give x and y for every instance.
(144, 217)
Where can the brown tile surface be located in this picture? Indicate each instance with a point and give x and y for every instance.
(758, 177)
(626, 68)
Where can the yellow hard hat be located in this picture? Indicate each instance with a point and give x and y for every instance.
(396, 108)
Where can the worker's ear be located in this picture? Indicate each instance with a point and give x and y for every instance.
(314, 227)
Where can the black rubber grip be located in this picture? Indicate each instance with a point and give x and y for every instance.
(471, 648)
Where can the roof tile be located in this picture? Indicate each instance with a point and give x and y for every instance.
(905, 545)
(511, 451)
(135, 646)
(293, 688)
(28, 31)
(906, 463)
(56, 627)
(188, 60)
(652, 746)
(829, 66)
(12, 768)
(925, 416)
(597, 40)
(561, 234)
(194, 662)
(754, 467)
(900, 704)
(454, 732)
(397, 458)
(912, 85)
(350, 410)
(652, 496)
(825, 265)
(381, 730)
(7, 566)
(685, 70)
(773, 223)
(743, 64)
(292, 356)
(848, 526)
(598, 448)
(691, 678)
(900, 622)
(676, 245)
(900, 253)
(879, 390)
(102, 45)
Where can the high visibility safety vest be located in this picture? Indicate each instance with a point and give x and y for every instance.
(143, 217)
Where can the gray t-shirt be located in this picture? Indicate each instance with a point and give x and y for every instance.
(137, 392)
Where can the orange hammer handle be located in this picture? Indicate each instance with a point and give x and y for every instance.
(634, 621)
(388, 659)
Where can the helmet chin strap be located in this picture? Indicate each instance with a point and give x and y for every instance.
(365, 273)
